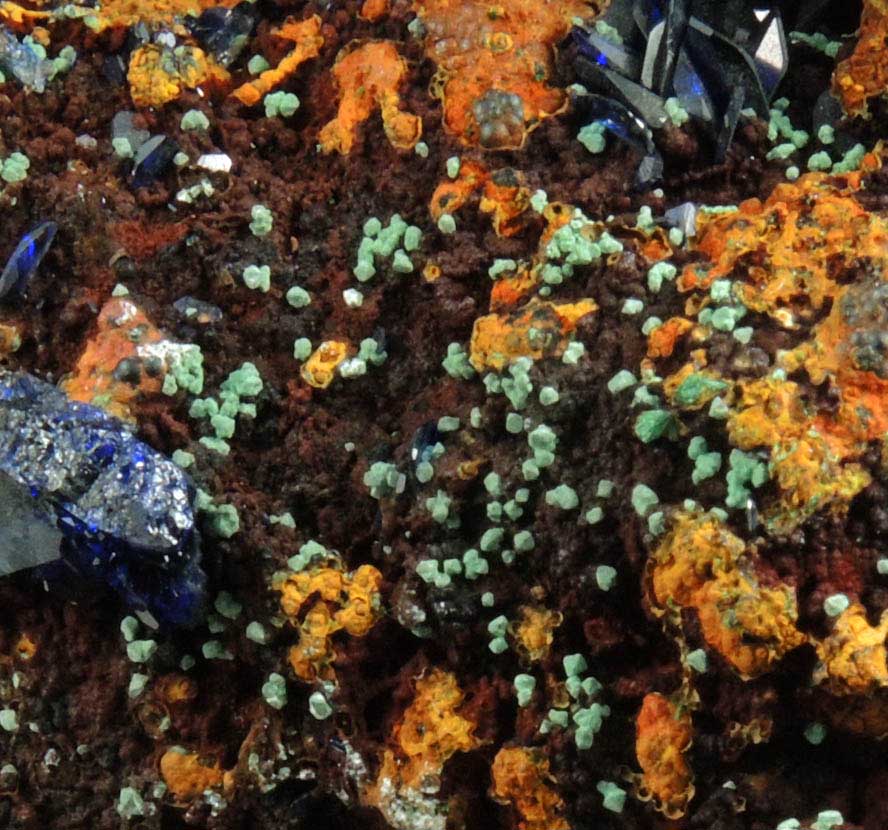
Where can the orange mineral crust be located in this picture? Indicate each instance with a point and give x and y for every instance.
(306, 37)
(853, 656)
(369, 76)
(535, 631)
(503, 194)
(521, 779)
(663, 735)
(799, 257)
(700, 564)
(538, 329)
(188, 774)
(158, 75)
(864, 74)
(494, 61)
(433, 728)
(787, 250)
(321, 602)
(125, 338)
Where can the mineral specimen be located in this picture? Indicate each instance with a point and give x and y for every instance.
(23, 62)
(700, 59)
(493, 65)
(152, 159)
(223, 32)
(534, 387)
(26, 258)
(102, 502)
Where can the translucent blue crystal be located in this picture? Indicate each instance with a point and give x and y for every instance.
(152, 159)
(605, 52)
(25, 259)
(115, 510)
(620, 122)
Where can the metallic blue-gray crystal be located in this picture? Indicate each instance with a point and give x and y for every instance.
(125, 512)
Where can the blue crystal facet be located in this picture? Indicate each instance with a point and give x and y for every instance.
(26, 258)
(117, 510)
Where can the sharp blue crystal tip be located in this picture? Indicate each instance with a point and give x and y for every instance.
(25, 259)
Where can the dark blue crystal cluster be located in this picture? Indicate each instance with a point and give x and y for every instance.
(714, 58)
(79, 492)
(223, 32)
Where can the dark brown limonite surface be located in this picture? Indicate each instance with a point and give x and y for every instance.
(83, 738)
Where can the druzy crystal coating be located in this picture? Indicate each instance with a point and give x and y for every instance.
(124, 511)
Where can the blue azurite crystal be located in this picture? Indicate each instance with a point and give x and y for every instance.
(73, 477)
(152, 159)
(715, 58)
(26, 258)
(223, 32)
